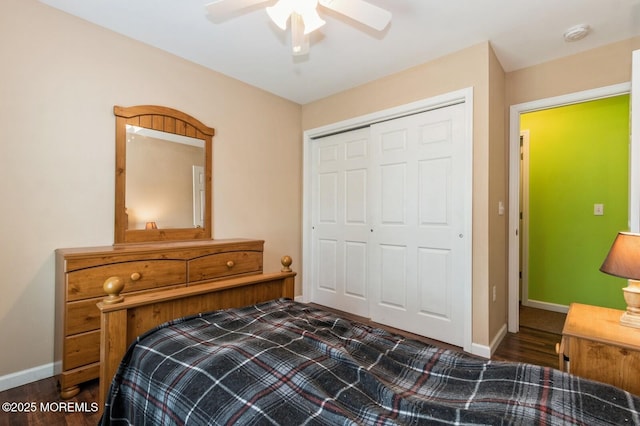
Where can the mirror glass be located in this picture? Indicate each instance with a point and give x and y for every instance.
(165, 180)
(163, 186)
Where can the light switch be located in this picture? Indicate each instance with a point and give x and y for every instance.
(598, 209)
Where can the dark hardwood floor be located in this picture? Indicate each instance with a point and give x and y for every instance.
(38, 403)
(529, 345)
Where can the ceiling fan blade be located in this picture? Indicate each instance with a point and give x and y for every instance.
(361, 11)
(222, 9)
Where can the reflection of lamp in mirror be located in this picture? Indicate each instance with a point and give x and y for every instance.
(151, 225)
(623, 261)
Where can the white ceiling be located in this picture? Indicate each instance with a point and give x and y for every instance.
(345, 54)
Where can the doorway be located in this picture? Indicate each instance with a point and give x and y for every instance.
(575, 197)
(515, 181)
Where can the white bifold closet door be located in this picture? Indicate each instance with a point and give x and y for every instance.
(387, 214)
(341, 218)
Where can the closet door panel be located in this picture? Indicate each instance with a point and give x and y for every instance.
(392, 197)
(340, 217)
(393, 276)
(356, 197)
(356, 269)
(434, 266)
(417, 161)
(327, 259)
(328, 198)
(434, 188)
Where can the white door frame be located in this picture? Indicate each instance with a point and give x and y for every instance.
(524, 221)
(514, 177)
(634, 148)
(463, 95)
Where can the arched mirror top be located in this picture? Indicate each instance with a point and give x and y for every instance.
(163, 175)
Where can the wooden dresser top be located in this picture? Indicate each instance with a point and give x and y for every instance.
(601, 325)
(223, 244)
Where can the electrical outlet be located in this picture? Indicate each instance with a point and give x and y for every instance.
(598, 209)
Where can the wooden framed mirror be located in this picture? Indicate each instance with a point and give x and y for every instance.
(163, 175)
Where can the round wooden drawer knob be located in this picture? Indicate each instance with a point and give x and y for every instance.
(230, 264)
(558, 348)
(135, 276)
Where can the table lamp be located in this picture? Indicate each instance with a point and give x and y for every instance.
(623, 261)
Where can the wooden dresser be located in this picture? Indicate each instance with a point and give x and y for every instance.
(81, 272)
(595, 346)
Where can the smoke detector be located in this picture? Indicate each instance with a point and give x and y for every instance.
(577, 32)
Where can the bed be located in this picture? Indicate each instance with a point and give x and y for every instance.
(284, 362)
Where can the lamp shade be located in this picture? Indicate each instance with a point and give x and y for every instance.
(623, 259)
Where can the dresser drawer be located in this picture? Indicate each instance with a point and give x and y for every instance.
(86, 283)
(224, 264)
(81, 349)
(84, 315)
(81, 316)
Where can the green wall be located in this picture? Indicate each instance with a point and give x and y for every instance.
(578, 156)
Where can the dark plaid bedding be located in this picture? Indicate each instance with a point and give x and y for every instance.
(286, 363)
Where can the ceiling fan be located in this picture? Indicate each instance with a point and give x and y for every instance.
(304, 15)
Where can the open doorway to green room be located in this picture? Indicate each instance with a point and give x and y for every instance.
(575, 199)
(632, 140)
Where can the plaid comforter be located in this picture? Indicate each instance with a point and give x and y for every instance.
(286, 363)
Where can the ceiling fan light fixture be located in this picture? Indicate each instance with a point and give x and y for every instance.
(299, 40)
(304, 15)
(312, 21)
(280, 12)
(307, 9)
(304, 20)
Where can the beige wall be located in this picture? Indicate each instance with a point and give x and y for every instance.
(472, 67)
(60, 79)
(498, 193)
(604, 66)
(57, 150)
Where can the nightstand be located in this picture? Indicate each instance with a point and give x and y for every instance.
(595, 346)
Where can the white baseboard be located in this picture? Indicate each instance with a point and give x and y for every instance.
(486, 351)
(498, 339)
(23, 377)
(481, 350)
(546, 305)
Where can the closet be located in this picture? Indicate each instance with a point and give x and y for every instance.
(389, 210)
